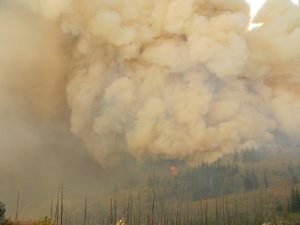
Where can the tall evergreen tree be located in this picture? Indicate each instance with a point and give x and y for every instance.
(295, 200)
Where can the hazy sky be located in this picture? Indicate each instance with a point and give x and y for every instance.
(256, 4)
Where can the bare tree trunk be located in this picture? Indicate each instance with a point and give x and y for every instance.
(217, 217)
(85, 212)
(261, 213)
(236, 208)
(148, 208)
(51, 208)
(201, 211)
(57, 209)
(161, 212)
(115, 208)
(177, 213)
(99, 214)
(17, 207)
(187, 213)
(138, 209)
(227, 210)
(247, 217)
(111, 211)
(61, 202)
(206, 212)
(153, 200)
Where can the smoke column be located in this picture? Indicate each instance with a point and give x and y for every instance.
(172, 79)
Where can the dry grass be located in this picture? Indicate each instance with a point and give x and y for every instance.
(45, 221)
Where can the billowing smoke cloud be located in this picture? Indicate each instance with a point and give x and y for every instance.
(175, 79)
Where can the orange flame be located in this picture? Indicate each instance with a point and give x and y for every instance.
(173, 171)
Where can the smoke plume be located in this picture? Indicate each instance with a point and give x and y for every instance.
(172, 79)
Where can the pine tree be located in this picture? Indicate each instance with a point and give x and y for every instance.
(295, 200)
(297, 196)
(266, 182)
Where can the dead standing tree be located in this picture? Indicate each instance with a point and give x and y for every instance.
(85, 212)
(61, 202)
(17, 206)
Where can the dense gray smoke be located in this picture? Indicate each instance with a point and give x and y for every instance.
(181, 79)
(171, 79)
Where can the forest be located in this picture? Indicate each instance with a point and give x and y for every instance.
(244, 188)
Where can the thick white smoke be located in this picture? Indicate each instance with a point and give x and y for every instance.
(182, 79)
